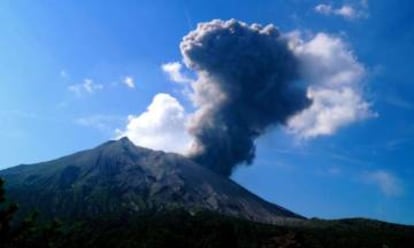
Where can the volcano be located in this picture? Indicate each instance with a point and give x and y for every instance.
(118, 178)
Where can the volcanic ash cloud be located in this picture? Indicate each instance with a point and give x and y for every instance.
(248, 81)
(250, 78)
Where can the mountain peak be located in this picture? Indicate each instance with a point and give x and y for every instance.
(118, 178)
(119, 147)
(125, 140)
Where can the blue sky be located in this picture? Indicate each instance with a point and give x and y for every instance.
(71, 73)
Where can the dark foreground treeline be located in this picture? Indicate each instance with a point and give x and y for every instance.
(179, 229)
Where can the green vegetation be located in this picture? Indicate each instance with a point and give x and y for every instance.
(27, 233)
(178, 228)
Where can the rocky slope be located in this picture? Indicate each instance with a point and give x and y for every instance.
(118, 178)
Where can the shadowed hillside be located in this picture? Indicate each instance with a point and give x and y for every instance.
(120, 195)
(119, 178)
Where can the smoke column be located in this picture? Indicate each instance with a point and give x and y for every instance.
(247, 82)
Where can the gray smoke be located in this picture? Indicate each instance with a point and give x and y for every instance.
(248, 82)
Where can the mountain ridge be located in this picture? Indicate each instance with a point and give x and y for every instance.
(117, 178)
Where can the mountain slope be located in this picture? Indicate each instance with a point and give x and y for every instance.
(118, 178)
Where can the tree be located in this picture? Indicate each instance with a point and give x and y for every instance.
(27, 233)
(7, 212)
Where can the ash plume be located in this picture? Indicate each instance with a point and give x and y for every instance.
(248, 82)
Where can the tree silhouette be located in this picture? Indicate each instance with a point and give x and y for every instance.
(27, 233)
(7, 212)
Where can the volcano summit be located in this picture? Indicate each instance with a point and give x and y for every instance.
(118, 178)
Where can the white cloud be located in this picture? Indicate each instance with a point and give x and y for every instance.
(335, 76)
(387, 183)
(174, 72)
(323, 9)
(88, 86)
(346, 11)
(129, 82)
(331, 109)
(161, 127)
